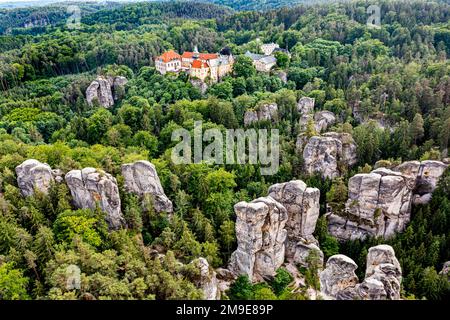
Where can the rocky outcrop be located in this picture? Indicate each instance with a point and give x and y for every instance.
(328, 154)
(379, 205)
(382, 279)
(105, 90)
(426, 175)
(446, 270)
(323, 120)
(380, 202)
(33, 175)
(206, 279)
(265, 112)
(382, 267)
(199, 84)
(261, 235)
(91, 188)
(305, 105)
(302, 206)
(142, 179)
(338, 276)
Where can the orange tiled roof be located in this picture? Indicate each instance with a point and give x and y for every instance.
(197, 64)
(202, 56)
(169, 56)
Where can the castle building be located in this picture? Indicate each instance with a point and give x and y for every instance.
(169, 61)
(203, 66)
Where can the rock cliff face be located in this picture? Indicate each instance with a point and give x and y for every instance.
(305, 105)
(338, 276)
(105, 90)
(90, 187)
(265, 112)
(261, 235)
(446, 270)
(323, 120)
(327, 154)
(426, 175)
(302, 206)
(141, 178)
(31, 175)
(380, 202)
(206, 280)
(382, 279)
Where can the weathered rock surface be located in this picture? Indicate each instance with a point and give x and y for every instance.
(426, 174)
(142, 179)
(261, 236)
(106, 90)
(302, 205)
(305, 105)
(382, 279)
(446, 270)
(265, 112)
(338, 276)
(206, 280)
(328, 154)
(379, 204)
(33, 175)
(199, 84)
(91, 188)
(323, 120)
(383, 266)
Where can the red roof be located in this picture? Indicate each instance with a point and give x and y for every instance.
(197, 64)
(169, 56)
(202, 56)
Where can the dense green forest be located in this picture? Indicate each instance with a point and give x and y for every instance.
(397, 75)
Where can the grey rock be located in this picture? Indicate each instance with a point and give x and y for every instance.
(446, 270)
(383, 266)
(142, 179)
(302, 205)
(206, 280)
(33, 175)
(305, 105)
(199, 84)
(105, 90)
(261, 236)
(91, 188)
(323, 120)
(379, 205)
(265, 112)
(338, 276)
(382, 279)
(425, 174)
(326, 154)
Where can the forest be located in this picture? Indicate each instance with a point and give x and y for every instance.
(389, 88)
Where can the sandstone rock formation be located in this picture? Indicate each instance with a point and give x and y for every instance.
(379, 204)
(426, 175)
(206, 280)
(90, 187)
(106, 90)
(265, 112)
(33, 175)
(305, 105)
(302, 205)
(338, 276)
(261, 235)
(382, 279)
(328, 154)
(142, 179)
(383, 266)
(446, 270)
(323, 120)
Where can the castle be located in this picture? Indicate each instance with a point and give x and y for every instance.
(203, 66)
